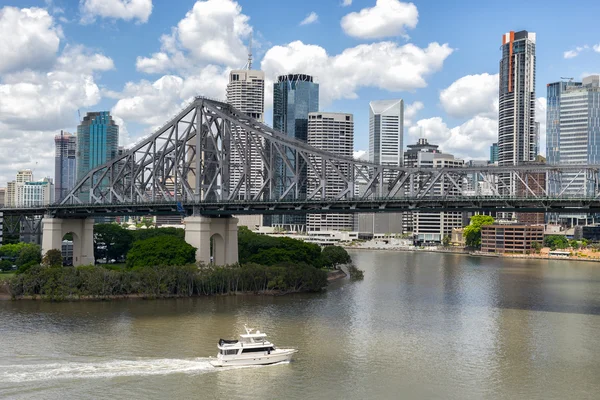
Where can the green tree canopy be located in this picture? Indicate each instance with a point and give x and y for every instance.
(160, 250)
(333, 256)
(556, 242)
(116, 240)
(12, 250)
(472, 232)
(53, 258)
(143, 234)
(5, 265)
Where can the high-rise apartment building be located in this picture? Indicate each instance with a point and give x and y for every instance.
(294, 96)
(2, 197)
(65, 172)
(386, 131)
(332, 132)
(246, 92)
(97, 141)
(24, 175)
(516, 118)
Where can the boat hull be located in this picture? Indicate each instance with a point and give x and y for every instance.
(278, 356)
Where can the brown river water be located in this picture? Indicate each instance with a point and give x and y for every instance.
(419, 326)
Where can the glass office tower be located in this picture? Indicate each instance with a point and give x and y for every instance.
(97, 141)
(294, 96)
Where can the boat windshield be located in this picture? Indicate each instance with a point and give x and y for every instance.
(225, 341)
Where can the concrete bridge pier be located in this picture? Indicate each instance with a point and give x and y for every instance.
(54, 229)
(224, 234)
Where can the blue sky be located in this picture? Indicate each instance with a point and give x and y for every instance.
(142, 59)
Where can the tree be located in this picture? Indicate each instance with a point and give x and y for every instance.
(574, 244)
(5, 265)
(536, 246)
(332, 256)
(29, 254)
(268, 250)
(116, 241)
(446, 240)
(160, 250)
(52, 258)
(472, 232)
(556, 242)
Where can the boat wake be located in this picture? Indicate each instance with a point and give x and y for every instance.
(109, 369)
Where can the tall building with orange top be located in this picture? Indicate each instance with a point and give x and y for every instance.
(516, 119)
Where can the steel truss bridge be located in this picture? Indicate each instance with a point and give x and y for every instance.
(203, 162)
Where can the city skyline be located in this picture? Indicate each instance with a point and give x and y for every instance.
(123, 64)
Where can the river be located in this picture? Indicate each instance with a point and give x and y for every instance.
(420, 325)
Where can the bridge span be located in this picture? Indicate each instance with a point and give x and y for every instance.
(202, 165)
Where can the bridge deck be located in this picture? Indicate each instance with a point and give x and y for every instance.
(526, 204)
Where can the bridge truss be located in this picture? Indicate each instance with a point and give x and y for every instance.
(205, 155)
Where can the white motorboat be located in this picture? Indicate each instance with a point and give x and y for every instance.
(251, 349)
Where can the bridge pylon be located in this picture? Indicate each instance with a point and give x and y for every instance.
(82, 229)
(223, 231)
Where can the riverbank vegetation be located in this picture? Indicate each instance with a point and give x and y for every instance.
(97, 282)
(159, 263)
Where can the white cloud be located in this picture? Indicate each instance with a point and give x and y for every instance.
(471, 95)
(29, 38)
(596, 48)
(153, 103)
(35, 151)
(470, 140)
(116, 9)
(384, 65)
(346, 3)
(211, 32)
(574, 53)
(310, 19)
(411, 111)
(386, 18)
(195, 57)
(48, 100)
(40, 89)
(361, 155)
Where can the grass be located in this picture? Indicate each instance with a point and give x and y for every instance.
(4, 276)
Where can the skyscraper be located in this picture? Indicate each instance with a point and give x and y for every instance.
(579, 132)
(494, 153)
(386, 131)
(553, 94)
(97, 141)
(332, 132)
(516, 119)
(246, 92)
(294, 96)
(65, 172)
